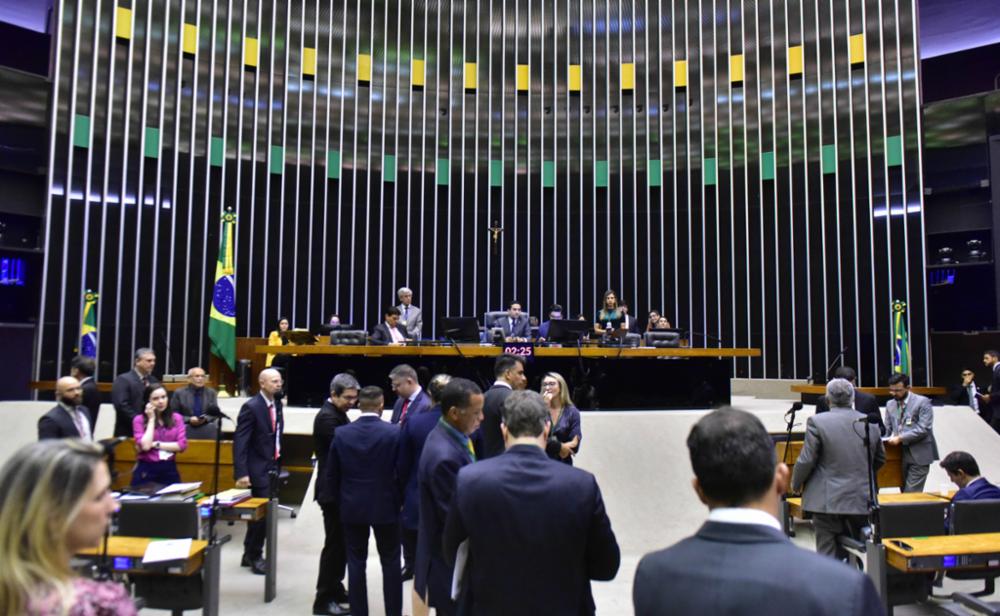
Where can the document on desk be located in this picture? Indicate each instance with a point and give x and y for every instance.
(166, 551)
(461, 558)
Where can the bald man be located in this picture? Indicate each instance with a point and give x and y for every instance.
(67, 419)
(256, 450)
(193, 401)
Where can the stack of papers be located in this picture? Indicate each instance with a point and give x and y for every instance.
(169, 550)
(231, 497)
(180, 489)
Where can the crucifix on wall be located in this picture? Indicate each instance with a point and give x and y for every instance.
(495, 232)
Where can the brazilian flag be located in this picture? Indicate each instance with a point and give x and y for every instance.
(222, 316)
(88, 330)
(901, 344)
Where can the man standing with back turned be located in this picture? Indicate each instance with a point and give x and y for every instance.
(740, 563)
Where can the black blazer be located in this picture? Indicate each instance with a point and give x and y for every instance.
(381, 335)
(327, 420)
(738, 569)
(361, 471)
(412, 436)
(519, 329)
(91, 400)
(254, 441)
(58, 424)
(538, 533)
(492, 415)
(126, 395)
(863, 403)
(992, 409)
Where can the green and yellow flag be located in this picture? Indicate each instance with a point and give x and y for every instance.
(901, 341)
(88, 329)
(222, 316)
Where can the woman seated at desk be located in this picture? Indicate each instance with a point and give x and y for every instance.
(610, 317)
(55, 500)
(159, 436)
(278, 337)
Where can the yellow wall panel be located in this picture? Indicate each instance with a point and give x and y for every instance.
(628, 76)
(795, 60)
(250, 57)
(309, 61)
(190, 39)
(470, 76)
(575, 77)
(857, 48)
(523, 77)
(123, 24)
(364, 67)
(680, 73)
(736, 67)
(417, 76)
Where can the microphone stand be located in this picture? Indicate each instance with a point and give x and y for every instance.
(104, 569)
(874, 517)
(785, 517)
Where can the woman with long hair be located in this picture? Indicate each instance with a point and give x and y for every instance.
(159, 436)
(55, 499)
(565, 434)
(610, 316)
(277, 337)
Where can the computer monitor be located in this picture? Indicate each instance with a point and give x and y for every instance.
(157, 518)
(460, 329)
(568, 330)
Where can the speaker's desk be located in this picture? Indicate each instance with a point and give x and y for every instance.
(795, 502)
(943, 552)
(125, 554)
(600, 377)
(253, 510)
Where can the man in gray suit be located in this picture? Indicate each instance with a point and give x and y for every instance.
(740, 563)
(909, 418)
(834, 469)
(193, 401)
(410, 317)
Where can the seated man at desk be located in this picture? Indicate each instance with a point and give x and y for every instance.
(515, 325)
(389, 332)
(963, 470)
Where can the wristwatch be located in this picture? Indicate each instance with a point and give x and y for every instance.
(156, 444)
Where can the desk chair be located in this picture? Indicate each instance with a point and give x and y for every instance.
(169, 520)
(662, 339)
(283, 476)
(976, 516)
(340, 337)
(490, 318)
(964, 604)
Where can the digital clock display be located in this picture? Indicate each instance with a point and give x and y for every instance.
(521, 349)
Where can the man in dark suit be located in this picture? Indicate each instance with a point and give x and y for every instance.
(833, 467)
(412, 436)
(389, 332)
(509, 373)
(909, 418)
(67, 419)
(410, 396)
(256, 453)
(532, 524)
(864, 403)
(989, 404)
(82, 369)
(447, 449)
(515, 324)
(629, 322)
(963, 470)
(330, 591)
(128, 389)
(362, 477)
(740, 563)
(966, 393)
(192, 401)
(555, 312)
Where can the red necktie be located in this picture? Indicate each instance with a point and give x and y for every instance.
(402, 414)
(274, 427)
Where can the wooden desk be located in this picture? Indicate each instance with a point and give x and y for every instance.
(106, 387)
(880, 392)
(250, 510)
(944, 552)
(889, 476)
(795, 502)
(134, 548)
(477, 350)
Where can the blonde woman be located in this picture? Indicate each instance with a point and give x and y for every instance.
(55, 499)
(565, 435)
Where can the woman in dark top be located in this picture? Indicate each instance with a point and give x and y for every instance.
(610, 317)
(565, 435)
(159, 436)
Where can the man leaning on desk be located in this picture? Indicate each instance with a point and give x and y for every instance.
(390, 332)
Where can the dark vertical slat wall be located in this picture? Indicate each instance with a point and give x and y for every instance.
(750, 169)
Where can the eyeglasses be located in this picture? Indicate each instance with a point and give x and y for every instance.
(549, 384)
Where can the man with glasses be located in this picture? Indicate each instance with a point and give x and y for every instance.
(192, 402)
(909, 418)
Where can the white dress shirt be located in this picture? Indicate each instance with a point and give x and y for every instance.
(743, 515)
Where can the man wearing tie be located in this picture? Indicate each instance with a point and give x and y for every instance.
(909, 418)
(410, 317)
(82, 369)
(192, 401)
(128, 389)
(410, 396)
(389, 332)
(515, 325)
(362, 478)
(67, 419)
(256, 454)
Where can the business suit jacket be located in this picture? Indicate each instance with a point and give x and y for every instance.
(126, 396)
(863, 403)
(915, 428)
(91, 400)
(254, 441)
(420, 404)
(381, 335)
(993, 408)
(493, 400)
(439, 464)
(182, 401)
(980, 489)
(412, 320)
(325, 425)
(746, 570)
(412, 437)
(517, 329)
(538, 533)
(362, 471)
(832, 464)
(58, 424)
